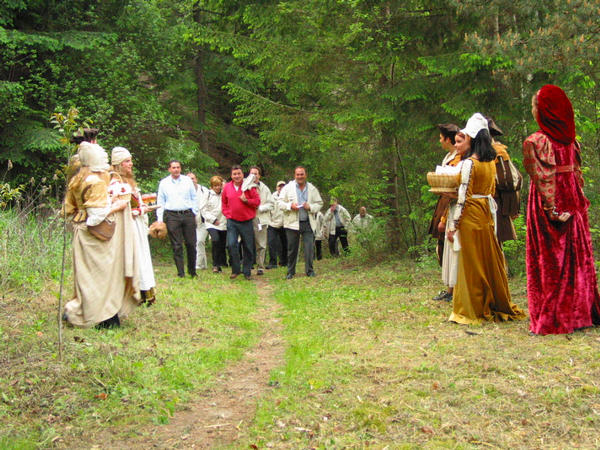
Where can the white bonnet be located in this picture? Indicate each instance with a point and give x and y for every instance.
(118, 155)
(93, 156)
(475, 124)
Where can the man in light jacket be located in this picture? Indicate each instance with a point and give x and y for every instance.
(300, 201)
(340, 218)
(276, 233)
(201, 232)
(262, 219)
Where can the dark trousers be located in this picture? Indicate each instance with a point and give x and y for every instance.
(218, 240)
(293, 245)
(181, 227)
(319, 249)
(342, 235)
(245, 230)
(277, 246)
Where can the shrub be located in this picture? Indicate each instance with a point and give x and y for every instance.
(31, 239)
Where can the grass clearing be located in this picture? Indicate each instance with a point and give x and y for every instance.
(139, 374)
(372, 362)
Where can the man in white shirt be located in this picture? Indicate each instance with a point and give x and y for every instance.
(201, 232)
(300, 201)
(261, 221)
(178, 208)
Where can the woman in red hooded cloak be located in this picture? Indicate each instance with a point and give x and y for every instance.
(562, 289)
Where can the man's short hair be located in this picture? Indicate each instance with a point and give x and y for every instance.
(257, 168)
(236, 167)
(448, 131)
(174, 161)
(300, 167)
(89, 134)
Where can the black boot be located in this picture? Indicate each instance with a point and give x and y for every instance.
(113, 322)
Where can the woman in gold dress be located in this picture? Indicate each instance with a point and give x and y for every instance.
(481, 292)
(102, 292)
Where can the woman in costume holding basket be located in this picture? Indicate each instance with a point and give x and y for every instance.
(123, 185)
(562, 289)
(481, 292)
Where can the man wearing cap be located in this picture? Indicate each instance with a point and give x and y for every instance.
(276, 232)
(178, 208)
(508, 187)
(261, 221)
(300, 201)
(339, 218)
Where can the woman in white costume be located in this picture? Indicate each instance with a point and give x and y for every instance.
(123, 185)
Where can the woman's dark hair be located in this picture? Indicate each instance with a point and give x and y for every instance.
(481, 145)
(448, 130)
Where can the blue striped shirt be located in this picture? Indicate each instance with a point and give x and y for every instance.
(176, 195)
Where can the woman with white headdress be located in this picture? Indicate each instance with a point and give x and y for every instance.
(123, 186)
(105, 285)
(481, 292)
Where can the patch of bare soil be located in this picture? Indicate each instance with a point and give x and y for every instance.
(219, 415)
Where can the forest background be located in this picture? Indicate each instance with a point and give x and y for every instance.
(352, 89)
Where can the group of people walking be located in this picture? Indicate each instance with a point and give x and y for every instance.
(472, 224)
(243, 219)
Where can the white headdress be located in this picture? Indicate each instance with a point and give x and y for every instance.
(118, 155)
(475, 124)
(93, 156)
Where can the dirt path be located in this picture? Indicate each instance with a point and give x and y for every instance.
(220, 414)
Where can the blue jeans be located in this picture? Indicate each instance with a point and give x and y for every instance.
(245, 230)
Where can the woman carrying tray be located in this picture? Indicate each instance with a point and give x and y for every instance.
(123, 185)
(481, 292)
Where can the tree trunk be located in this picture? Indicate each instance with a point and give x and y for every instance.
(201, 90)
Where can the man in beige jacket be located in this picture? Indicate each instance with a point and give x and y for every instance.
(300, 201)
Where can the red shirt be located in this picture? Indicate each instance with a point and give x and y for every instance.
(234, 208)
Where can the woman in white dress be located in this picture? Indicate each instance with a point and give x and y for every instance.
(122, 185)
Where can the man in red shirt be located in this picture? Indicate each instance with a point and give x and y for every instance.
(239, 207)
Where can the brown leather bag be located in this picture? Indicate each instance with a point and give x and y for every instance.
(104, 230)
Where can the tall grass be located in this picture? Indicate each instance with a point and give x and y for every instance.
(31, 238)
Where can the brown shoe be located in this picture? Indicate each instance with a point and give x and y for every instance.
(233, 276)
(215, 270)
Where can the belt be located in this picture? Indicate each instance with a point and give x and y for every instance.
(184, 211)
(565, 169)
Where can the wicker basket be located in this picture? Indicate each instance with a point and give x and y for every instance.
(440, 183)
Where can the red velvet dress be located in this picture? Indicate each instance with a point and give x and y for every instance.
(562, 288)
